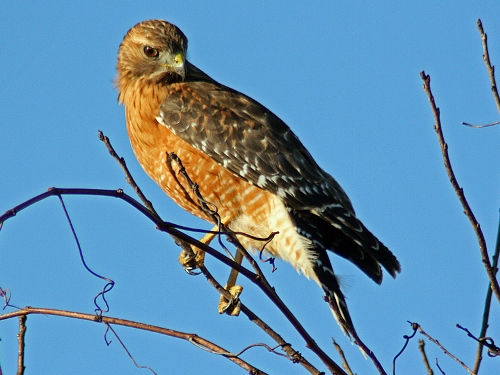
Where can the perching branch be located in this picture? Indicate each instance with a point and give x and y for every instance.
(293, 355)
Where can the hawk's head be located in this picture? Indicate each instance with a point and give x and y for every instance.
(152, 51)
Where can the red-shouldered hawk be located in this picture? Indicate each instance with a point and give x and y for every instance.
(245, 160)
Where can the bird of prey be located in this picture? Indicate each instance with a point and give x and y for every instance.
(244, 159)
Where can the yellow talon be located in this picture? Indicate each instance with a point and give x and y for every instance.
(191, 262)
(231, 307)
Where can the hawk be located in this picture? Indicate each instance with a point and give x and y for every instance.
(245, 160)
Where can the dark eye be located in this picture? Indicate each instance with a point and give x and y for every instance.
(151, 52)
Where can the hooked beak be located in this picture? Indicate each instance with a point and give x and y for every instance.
(177, 66)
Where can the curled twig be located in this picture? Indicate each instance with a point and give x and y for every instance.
(6, 295)
(493, 350)
(109, 283)
(414, 326)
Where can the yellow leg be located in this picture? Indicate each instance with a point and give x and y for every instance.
(190, 262)
(232, 307)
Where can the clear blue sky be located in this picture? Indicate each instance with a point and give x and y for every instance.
(345, 77)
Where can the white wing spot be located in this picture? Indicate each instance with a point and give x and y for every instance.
(281, 193)
(261, 182)
(160, 120)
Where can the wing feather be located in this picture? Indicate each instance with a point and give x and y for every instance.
(250, 141)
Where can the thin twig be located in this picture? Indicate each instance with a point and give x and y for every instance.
(21, 344)
(421, 349)
(439, 367)
(458, 190)
(132, 324)
(345, 364)
(438, 344)
(109, 283)
(480, 126)
(127, 351)
(128, 175)
(489, 67)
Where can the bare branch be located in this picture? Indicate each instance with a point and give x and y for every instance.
(161, 225)
(489, 67)
(339, 350)
(458, 190)
(128, 176)
(192, 338)
(421, 348)
(21, 344)
(438, 344)
(487, 307)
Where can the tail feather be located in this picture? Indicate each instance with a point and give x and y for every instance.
(337, 229)
(329, 283)
(350, 239)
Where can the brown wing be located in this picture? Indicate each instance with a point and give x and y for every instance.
(249, 140)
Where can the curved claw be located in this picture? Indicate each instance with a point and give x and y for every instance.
(233, 306)
(191, 261)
